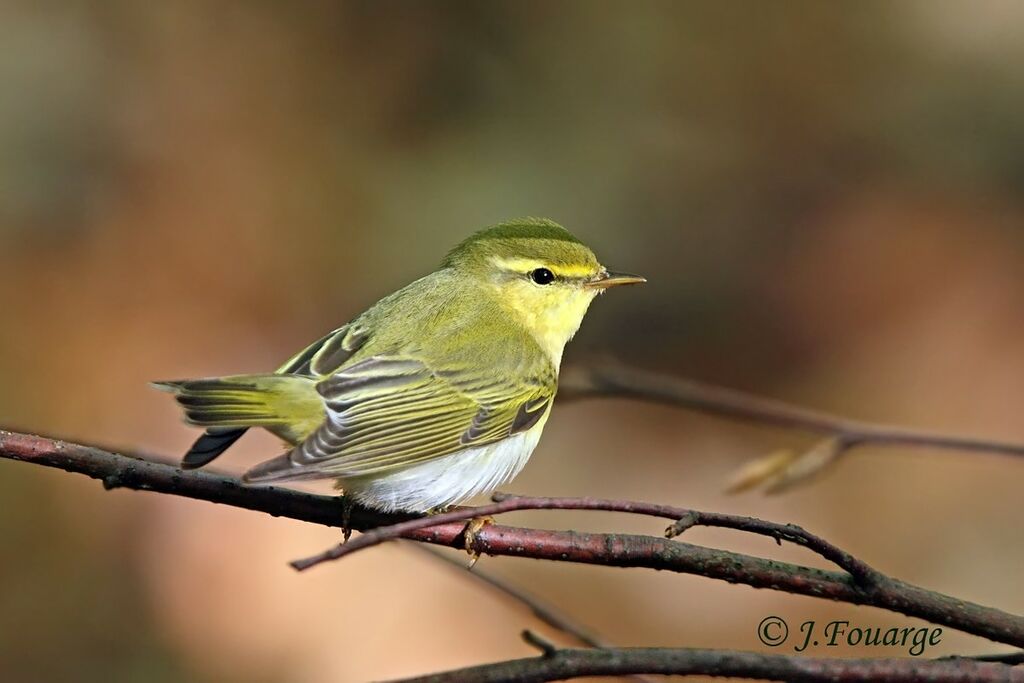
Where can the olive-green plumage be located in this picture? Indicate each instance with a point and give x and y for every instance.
(436, 393)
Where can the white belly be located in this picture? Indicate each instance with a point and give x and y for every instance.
(450, 480)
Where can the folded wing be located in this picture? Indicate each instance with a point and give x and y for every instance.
(387, 413)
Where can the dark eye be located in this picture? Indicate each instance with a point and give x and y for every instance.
(542, 276)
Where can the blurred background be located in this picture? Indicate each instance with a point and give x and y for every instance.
(825, 197)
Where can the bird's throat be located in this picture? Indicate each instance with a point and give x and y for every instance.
(553, 325)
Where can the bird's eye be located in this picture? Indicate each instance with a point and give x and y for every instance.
(542, 276)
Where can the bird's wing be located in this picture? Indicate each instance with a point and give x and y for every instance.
(390, 412)
(328, 353)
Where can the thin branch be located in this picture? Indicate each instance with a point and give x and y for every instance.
(564, 664)
(612, 379)
(617, 380)
(543, 611)
(616, 550)
(546, 647)
(686, 518)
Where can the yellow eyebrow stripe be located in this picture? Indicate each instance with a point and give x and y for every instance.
(525, 265)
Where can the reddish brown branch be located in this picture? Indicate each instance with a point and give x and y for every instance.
(617, 550)
(564, 664)
(685, 519)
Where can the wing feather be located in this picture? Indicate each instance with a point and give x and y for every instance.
(390, 412)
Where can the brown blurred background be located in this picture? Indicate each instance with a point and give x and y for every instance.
(826, 198)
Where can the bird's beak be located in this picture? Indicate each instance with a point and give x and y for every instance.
(606, 279)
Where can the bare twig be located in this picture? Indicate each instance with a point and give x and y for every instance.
(546, 647)
(564, 664)
(617, 550)
(779, 471)
(543, 611)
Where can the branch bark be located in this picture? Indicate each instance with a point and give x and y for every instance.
(617, 550)
(573, 663)
(685, 519)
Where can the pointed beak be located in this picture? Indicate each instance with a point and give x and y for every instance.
(606, 279)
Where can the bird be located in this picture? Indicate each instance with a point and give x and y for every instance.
(436, 394)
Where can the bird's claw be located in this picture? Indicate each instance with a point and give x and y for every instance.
(473, 527)
(346, 517)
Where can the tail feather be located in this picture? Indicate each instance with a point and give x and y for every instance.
(207, 447)
(287, 405)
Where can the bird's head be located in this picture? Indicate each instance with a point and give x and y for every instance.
(540, 272)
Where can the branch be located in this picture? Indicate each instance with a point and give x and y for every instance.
(685, 519)
(563, 664)
(779, 471)
(617, 550)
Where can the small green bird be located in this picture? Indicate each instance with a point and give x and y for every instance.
(437, 393)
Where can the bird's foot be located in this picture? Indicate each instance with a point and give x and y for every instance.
(473, 527)
(346, 516)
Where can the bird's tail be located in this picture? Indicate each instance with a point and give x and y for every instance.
(287, 405)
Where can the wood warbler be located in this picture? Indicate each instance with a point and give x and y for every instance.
(437, 393)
